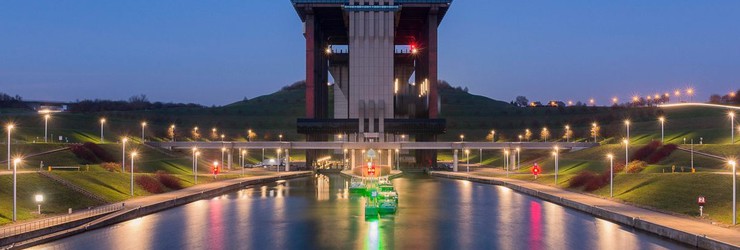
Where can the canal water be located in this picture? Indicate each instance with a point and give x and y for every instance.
(319, 213)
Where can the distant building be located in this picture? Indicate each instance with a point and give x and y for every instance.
(47, 107)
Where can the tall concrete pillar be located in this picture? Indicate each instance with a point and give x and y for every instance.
(287, 160)
(390, 159)
(229, 159)
(454, 161)
(352, 161)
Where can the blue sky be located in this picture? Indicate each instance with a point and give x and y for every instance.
(218, 52)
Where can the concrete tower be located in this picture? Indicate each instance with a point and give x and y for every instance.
(382, 57)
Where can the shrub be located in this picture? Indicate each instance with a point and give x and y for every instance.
(662, 153)
(581, 179)
(168, 180)
(111, 166)
(149, 183)
(596, 182)
(84, 154)
(645, 151)
(636, 166)
(99, 152)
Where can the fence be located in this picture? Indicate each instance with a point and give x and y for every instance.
(31, 226)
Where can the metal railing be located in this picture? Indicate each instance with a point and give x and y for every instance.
(25, 227)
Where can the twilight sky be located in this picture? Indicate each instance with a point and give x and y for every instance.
(218, 52)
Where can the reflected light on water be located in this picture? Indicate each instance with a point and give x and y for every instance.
(535, 225)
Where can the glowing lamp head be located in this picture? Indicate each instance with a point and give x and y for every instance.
(215, 163)
(143, 124)
(16, 160)
(10, 127)
(661, 119)
(627, 122)
(46, 116)
(610, 156)
(625, 141)
(124, 139)
(102, 120)
(133, 154)
(39, 198)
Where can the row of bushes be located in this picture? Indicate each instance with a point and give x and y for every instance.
(591, 181)
(156, 184)
(654, 152)
(91, 153)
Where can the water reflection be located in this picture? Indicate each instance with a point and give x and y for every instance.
(319, 213)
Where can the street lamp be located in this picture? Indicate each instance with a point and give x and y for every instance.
(223, 137)
(280, 137)
(734, 192)
(249, 135)
(627, 124)
(39, 198)
(46, 127)
(244, 151)
(493, 135)
(462, 138)
(172, 127)
(102, 122)
(15, 181)
(10, 128)
(732, 125)
(143, 125)
(662, 129)
(611, 174)
(556, 154)
(626, 152)
(133, 155)
(123, 154)
(567, 133)
(520, 138)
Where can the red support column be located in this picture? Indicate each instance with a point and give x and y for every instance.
(432, 63)
(310, 67)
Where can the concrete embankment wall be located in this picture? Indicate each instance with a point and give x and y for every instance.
(66, 230)
(699, 241)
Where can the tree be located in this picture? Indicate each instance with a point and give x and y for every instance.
(568, 134)
(521, 101)
(545, 134)
(715, 99)
(595, 130)
(527, 135)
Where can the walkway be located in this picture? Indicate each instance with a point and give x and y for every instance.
(695, 228)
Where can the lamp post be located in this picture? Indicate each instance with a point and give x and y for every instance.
(15, 181)
(344, 158)
(123, 154)
(192, 166)
(10, 128)
(567, 133)
(627, 124)
(732, 126)
(520, 138)
(278, 160)
(662, 129)
(556, 154)
(102, 123)
(280, 137)
(143, 125)
(133, 155)
(734, 192)
(493, 135)
(39, 198)
(398, 155)
(462, 138)
(611, 174)
(46, 128)
(626, 152)
(223, 137)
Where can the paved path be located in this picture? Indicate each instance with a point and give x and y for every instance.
(130, 205)
(688, 225)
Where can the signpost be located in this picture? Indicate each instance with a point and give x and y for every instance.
(536, 170)
(701, 202)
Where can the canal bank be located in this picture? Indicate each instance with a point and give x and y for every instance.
(684, 230)
(138, 207)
